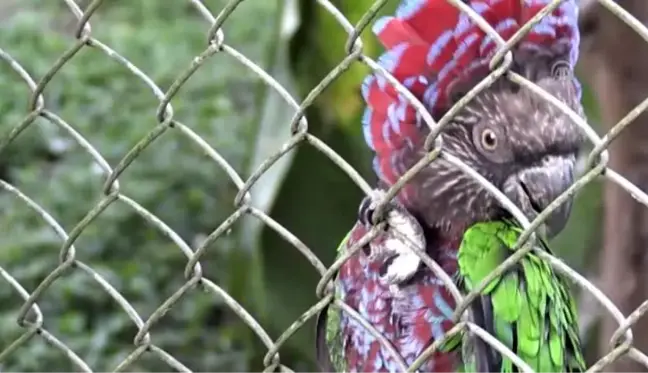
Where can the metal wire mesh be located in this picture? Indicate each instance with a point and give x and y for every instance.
(620, 345)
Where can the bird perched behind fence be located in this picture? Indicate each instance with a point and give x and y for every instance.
(518, 141)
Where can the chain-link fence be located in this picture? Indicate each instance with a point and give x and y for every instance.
(31, 316)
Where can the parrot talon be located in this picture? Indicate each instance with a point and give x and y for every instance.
(366, 212)
(401, 268)
(404, 262)
(402, 232)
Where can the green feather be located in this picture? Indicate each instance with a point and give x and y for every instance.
(533, 311)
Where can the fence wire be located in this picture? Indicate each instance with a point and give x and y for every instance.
(30, 316)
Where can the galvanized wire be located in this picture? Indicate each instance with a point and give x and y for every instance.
(620, 344)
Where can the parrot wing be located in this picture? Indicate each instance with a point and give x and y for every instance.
(529, 308)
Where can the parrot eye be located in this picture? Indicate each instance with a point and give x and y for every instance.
(492, 143)
(489, 140)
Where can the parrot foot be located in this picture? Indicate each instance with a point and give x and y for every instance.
(402, 238)
(403, 265)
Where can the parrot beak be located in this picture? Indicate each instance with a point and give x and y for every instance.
(534, 188)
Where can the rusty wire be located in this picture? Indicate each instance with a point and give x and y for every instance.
(620, 344)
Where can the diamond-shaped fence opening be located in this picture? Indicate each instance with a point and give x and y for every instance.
(32, 317)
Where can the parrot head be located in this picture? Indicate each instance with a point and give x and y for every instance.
(523, 144)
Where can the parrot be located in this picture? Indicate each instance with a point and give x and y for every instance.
(525, 146)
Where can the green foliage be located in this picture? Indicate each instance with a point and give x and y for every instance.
(172, 178)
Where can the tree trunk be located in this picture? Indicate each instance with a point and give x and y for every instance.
(613, 62)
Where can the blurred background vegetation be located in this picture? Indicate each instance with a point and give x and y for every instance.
(298, 42)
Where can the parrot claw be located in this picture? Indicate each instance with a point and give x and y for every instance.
(368, 207)
(403, 236)
(404, 239)
(401, 268)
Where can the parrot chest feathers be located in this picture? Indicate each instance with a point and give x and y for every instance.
(410, 315)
